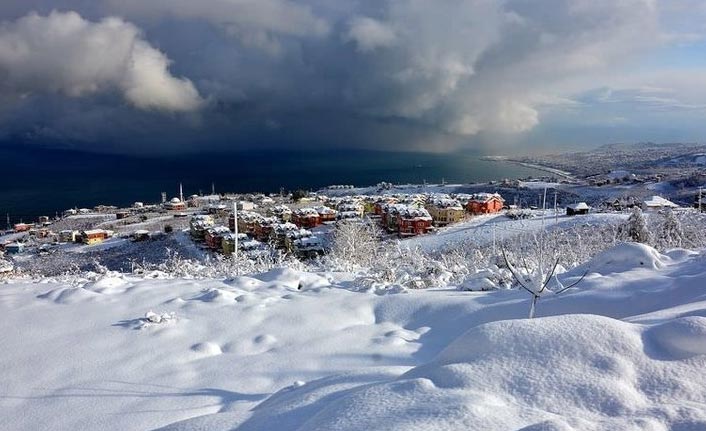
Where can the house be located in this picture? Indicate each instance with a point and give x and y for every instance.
(326, 214)
(485, 203)
(14, 248)
(140, 235)
(618, 204)
(198, 225)
(41, 232)
(577, 209)
(246, 206)
(264, 227)
(413, 221)
(389, 218)
(280, 232)
(351, 206)
(214, 235)
(445, 211)
(294, 235)
(307, 218)
(310, 246)
(228, 242)
(44, 220)
(69, 236)
(263, 200)
(282, 212)
(217, 209)
(94, 236)
(656, 203)
(122, 215)
(348, 215)
(22, 227)
(380, 203)
(247, 222)
(175, 204)
(193, 201)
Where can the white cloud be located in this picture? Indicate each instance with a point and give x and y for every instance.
(452, 67)
(370, 34)
(64, 53)
(255, 23)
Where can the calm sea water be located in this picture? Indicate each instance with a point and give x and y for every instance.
(37, 182)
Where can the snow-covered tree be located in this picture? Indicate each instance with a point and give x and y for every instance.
(355, 244)
(670, 232)
(635, 228)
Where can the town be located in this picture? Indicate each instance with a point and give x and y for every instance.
(300, 224)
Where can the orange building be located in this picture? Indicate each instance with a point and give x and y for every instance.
(485, 203)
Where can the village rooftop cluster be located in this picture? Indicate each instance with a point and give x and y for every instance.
(298, 224)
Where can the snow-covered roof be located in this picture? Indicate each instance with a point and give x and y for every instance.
(249, 217)
(301, 233)
(285, 227)
(95, 232)
(485, 197)
(415, 213)
(325, 210)
(306, 212)
(659, 202)
(281, 209)
(308, 242)
(579, 206)
(446, 203)
(202, 217)
(348, 214)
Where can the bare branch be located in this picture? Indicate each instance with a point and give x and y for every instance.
(514, 274)
(572, 284)
(549, 278)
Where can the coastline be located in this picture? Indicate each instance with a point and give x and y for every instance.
(544, 168)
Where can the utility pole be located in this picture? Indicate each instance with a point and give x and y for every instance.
(700, 190)
(9, 226)
(495, 225)
(556, 213)
(235, 235)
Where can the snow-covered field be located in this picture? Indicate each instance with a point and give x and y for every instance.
(286, 350)
(483, 229)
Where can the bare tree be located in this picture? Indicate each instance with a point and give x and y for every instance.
(355, 243)
(536, 278)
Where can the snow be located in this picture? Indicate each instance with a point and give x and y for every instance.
(659, 202)
(579, 206)
(538, 185)
(481, 229)
(291, 350)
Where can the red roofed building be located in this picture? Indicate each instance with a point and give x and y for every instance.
(307, 218)
(485, 203)
(413, 221)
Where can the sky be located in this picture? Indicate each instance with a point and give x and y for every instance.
(184, 76)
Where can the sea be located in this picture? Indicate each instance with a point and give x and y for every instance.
(36, 182)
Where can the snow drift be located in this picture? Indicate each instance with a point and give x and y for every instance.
(289, 350)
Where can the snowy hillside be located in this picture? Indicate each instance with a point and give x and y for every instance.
(298, 351)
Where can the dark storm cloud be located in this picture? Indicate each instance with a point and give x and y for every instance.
(183, 75)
